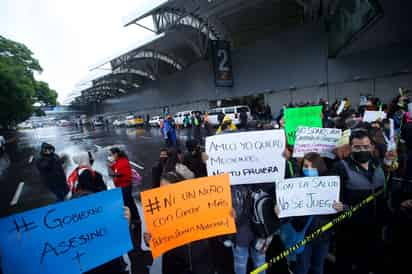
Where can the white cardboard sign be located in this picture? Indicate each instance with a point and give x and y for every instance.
(372, 116)
(249, 157)
(307, 196)
(320, 140)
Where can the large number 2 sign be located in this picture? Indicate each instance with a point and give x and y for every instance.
(222, 63)
(223, 60)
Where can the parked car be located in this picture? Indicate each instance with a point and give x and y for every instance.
(134, 121)
(119, 122)
(154, 121)
(25, 125)
(233, 112)
(63, 123)
(99, 122)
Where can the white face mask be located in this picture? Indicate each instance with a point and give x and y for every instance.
(110, 158)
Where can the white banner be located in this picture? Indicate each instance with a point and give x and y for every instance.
(372, 116)
(249, 157)
(313, 139)
(307, 196)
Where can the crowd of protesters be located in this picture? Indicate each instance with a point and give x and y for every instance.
(376, 155)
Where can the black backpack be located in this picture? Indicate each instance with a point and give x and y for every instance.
(265, 223)
(97, 184)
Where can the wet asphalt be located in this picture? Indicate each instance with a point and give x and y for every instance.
(142, 146)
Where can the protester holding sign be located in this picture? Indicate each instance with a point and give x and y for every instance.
(312, 257)
(320, 140)
(179, 214)
(83, 235)
(361, 175)
(86, 187)
(296, 117)
(249, 157)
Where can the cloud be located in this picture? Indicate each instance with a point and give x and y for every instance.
(68, 36)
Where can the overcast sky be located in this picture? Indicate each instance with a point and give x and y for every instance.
(69, 36)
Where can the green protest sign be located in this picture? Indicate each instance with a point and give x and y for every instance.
(305, 116)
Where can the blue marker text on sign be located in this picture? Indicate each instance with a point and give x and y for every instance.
(70, 237)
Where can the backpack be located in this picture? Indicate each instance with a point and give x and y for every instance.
(241, 204)
(265, 223)
(98, 182)
(136, 178)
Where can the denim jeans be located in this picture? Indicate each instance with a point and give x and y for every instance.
(313, 257)
(241, 256)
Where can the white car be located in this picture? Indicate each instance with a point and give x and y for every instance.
(25, 125)
(232, 112)
(119, 123)
(99, 122)
(154, 121)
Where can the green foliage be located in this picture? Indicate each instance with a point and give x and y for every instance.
(45, 94)
(39, 112)
(18, 88)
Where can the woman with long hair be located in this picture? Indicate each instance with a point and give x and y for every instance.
(122, 177)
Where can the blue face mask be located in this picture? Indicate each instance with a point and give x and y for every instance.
(310, 172)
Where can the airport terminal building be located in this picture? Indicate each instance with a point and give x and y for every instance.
(206, 53)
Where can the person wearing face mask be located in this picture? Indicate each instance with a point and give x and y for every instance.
(311, 258)
(359, 241)
(122, 177)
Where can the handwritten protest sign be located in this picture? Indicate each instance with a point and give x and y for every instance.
(249, 157)
(372, 116)
(306, 117)
(70, 237)
(181, 213)
(320, 140)
(307, 196)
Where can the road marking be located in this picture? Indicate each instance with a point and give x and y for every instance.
(136, 165)
(16, 196)
(145, 137)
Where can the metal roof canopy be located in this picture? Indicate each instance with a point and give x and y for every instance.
(238, 21)
(146, 9)
(169, 53)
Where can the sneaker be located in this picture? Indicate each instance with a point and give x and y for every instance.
(68, 196)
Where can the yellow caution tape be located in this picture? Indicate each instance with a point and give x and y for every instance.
(315, 234)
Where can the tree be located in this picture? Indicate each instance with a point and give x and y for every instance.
(45, 95)
(18, 88)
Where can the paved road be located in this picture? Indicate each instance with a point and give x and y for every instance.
(19, 178)
(141, 145)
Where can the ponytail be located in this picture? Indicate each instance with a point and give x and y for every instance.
(119, 152)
